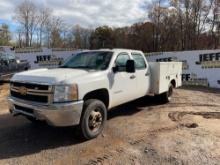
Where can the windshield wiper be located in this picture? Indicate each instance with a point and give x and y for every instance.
(76, 67)
(63, 67)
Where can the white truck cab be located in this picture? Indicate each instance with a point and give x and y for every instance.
(86, 85)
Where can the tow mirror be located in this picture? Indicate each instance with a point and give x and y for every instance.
(130, 66)
(115, 69)
(6, 62)
(60, 63)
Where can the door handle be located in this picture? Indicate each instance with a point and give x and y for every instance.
(147, 74)
(132, 77)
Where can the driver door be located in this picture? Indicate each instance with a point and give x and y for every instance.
(124, 84)
(12, 63)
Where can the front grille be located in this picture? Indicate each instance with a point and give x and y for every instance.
(28, 97)
(31, 86)
(31, 92)
(28, 110)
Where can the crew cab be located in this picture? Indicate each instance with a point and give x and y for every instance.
(9, 65)
(88, 84)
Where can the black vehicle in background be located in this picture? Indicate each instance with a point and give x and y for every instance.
(9, 64)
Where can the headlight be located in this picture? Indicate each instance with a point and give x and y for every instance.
(65, 93)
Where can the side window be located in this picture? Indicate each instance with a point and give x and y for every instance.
(139, 61)
(3, 59)
(11, 57)
(121, 61)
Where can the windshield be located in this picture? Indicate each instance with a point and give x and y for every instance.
(89, 60)
(7, 56)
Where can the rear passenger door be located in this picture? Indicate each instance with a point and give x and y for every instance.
(142, 73)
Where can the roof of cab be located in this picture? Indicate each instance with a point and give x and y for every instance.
(117, 50)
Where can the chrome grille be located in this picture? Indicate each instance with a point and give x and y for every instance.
(40, 93)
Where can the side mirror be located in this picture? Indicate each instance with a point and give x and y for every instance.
(130, 66)
(60, 63)
(115, 69)
(6, 62)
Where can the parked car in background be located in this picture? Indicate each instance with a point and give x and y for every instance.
(9, 64)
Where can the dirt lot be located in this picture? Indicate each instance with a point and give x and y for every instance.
(185, 131)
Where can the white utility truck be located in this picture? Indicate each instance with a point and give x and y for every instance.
(81, 90)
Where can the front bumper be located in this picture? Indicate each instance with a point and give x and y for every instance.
(59, 114)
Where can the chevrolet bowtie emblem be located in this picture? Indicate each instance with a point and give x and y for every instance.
(22, 90)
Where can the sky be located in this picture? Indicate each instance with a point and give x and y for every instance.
(87, 13)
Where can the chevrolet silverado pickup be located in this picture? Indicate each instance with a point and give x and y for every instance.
(88, 84)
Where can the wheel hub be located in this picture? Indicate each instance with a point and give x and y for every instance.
(95, 120)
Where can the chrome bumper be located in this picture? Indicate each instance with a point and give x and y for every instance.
(62, 114)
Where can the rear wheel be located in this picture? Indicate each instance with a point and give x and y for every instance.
(1, 79)
(93, 118)
(166, 97)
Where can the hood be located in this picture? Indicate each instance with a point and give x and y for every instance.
(51, 76)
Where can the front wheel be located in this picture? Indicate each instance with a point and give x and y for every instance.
(93, 118)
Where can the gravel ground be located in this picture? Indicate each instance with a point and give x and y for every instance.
(185, 131)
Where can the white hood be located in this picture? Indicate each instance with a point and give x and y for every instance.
(51, 76)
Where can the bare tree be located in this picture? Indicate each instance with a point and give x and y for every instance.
(26, 16)
(43, 18)
(19, 36)
(214, 22)
(4, 34)
(79, 37)
(156, 15)
(54, 29)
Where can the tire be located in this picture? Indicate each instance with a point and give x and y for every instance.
(93, 118)
(1, 80)
(166, 97)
